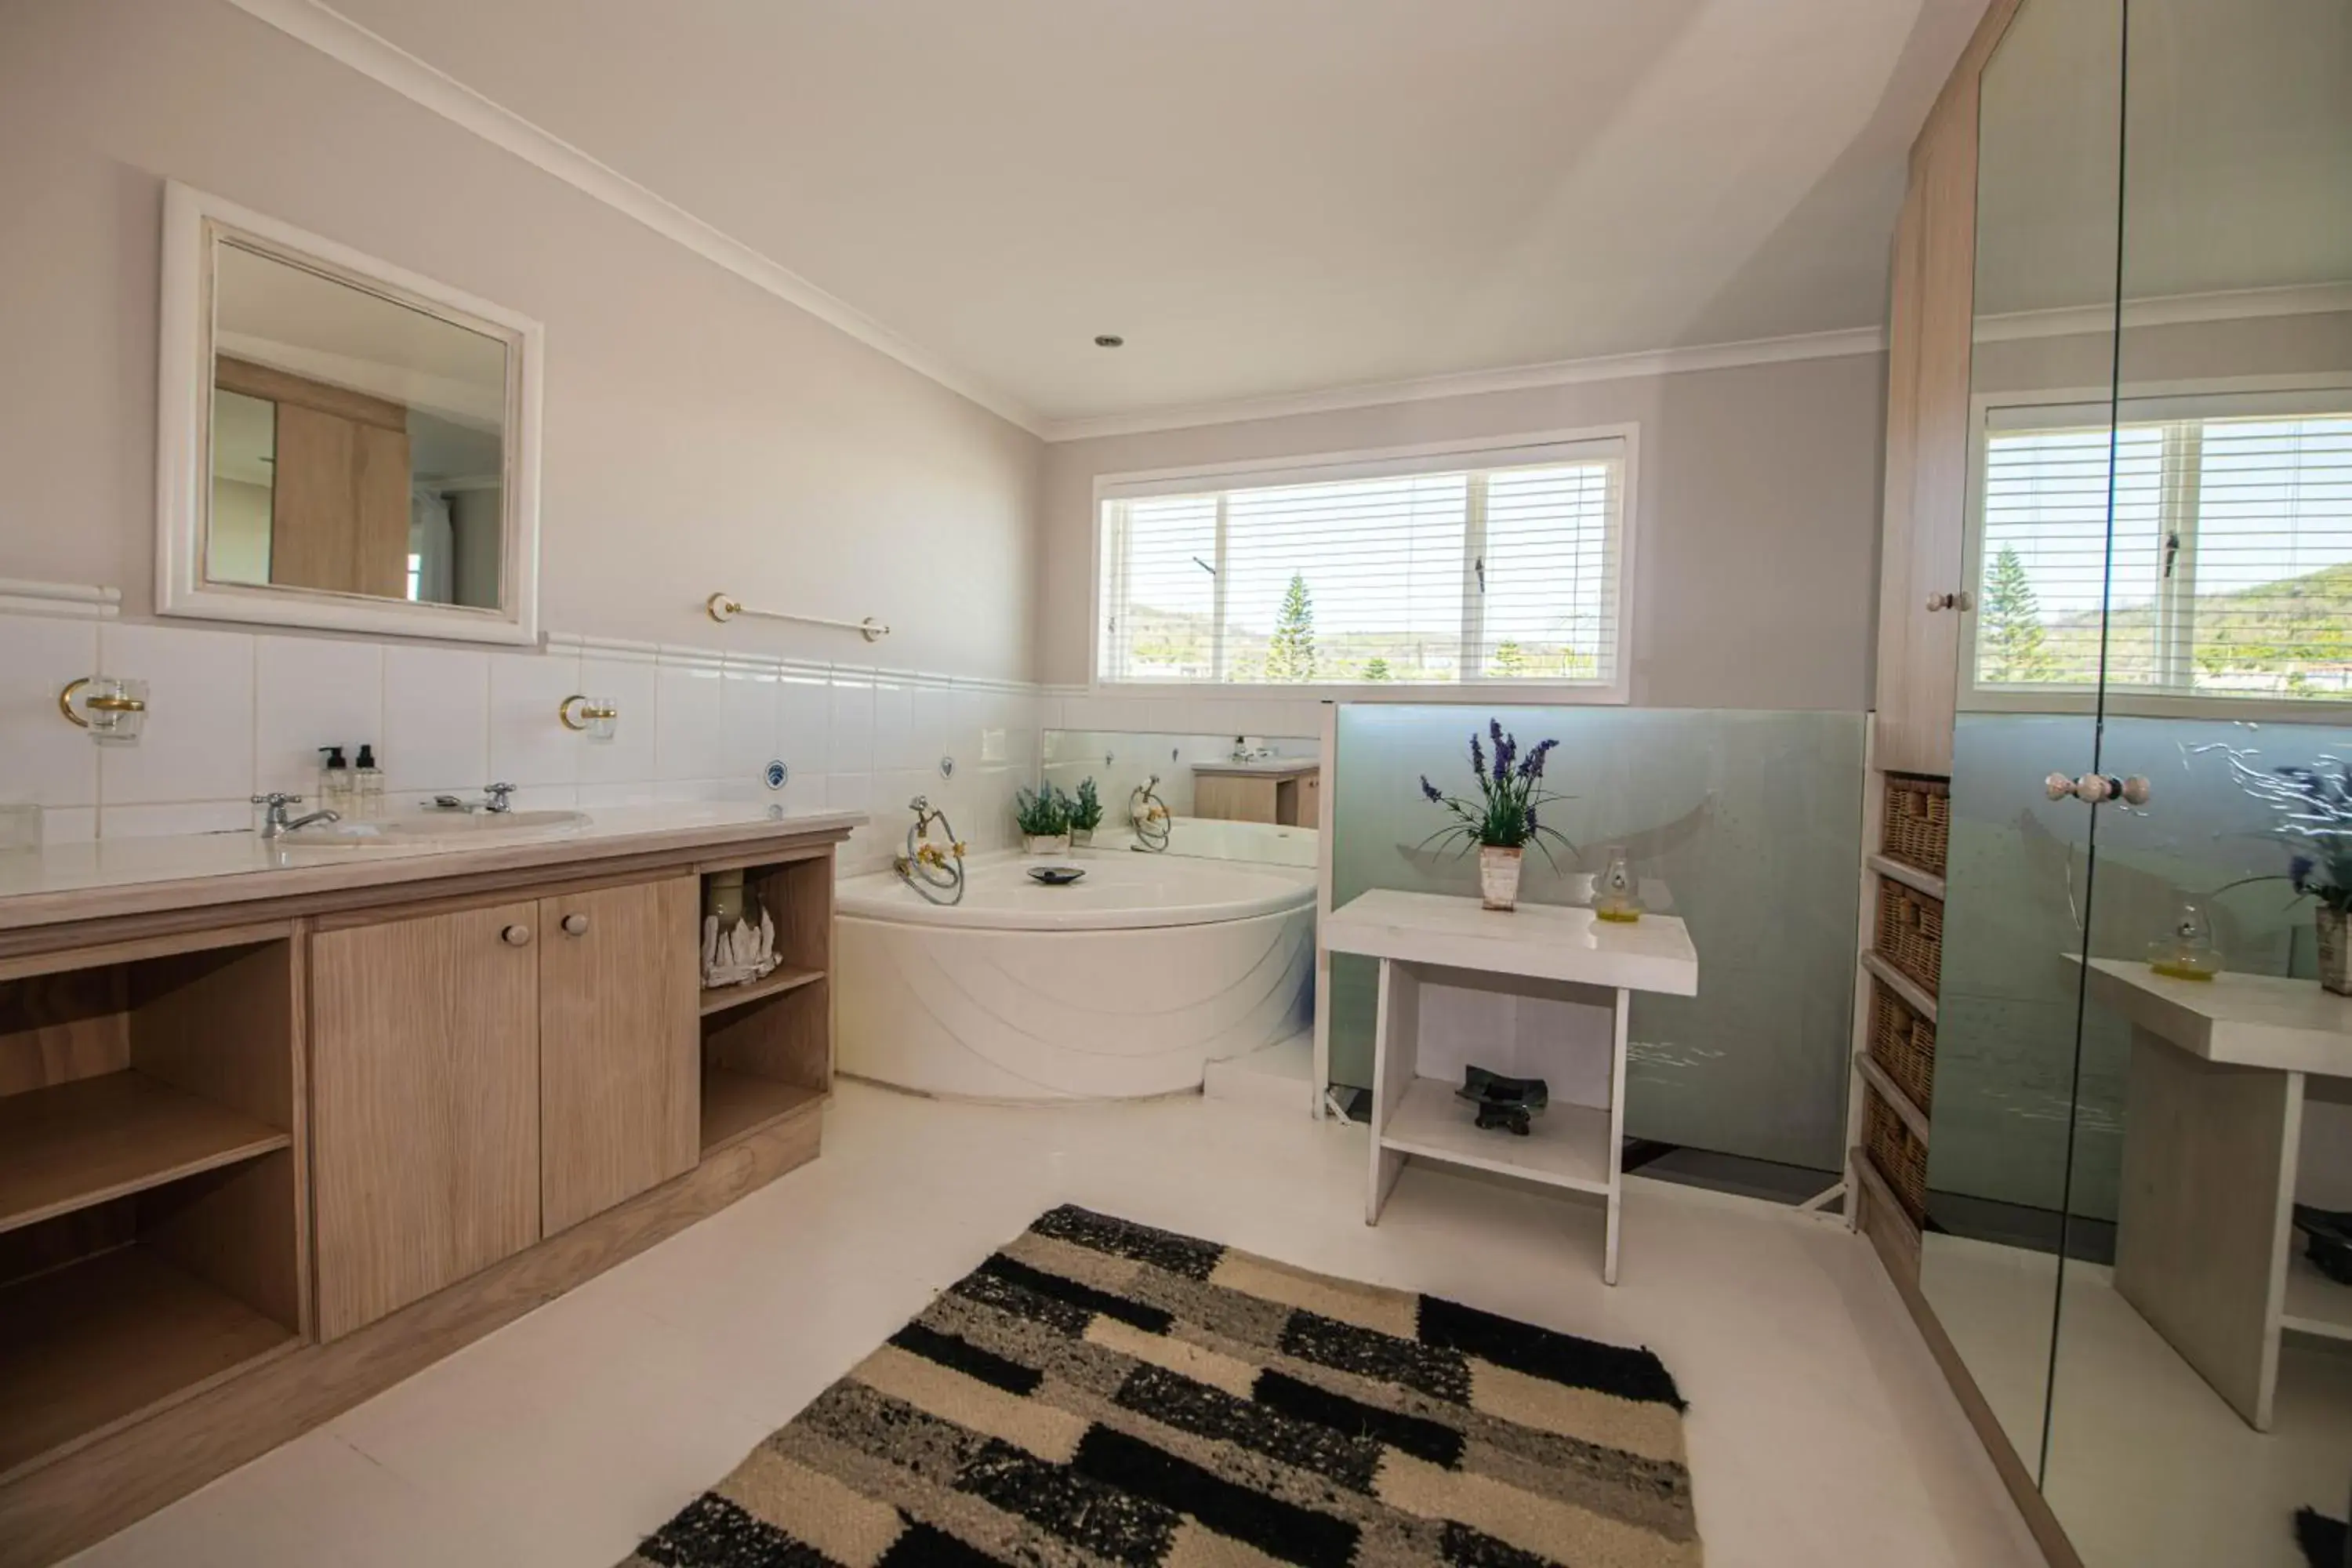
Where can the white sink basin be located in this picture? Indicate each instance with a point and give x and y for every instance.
(436, 827)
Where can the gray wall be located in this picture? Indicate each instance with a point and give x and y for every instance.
(1757, 533)
(700, 434)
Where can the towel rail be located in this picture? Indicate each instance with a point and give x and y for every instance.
(723, 608)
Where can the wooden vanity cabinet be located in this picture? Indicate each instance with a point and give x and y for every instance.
(425, 1114)
(619, 1106)
(490, 1075)
(261, 1157)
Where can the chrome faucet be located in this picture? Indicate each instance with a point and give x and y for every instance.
(498, 801)
(274, 823)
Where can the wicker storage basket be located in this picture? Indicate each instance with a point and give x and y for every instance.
(1904, 1046)
(1911, 932)
(1899, 1157)
(1918, 829)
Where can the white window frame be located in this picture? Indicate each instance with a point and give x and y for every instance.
(1363, 463)
(2243, 395)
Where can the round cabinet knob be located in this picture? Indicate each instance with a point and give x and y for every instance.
(516, 936)
(575, 924)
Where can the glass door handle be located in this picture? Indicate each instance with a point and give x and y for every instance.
(2092, 788)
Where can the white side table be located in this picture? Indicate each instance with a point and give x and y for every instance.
(1555, 953)
(2212, 1132)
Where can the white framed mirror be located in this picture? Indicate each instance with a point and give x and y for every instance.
(340, 443)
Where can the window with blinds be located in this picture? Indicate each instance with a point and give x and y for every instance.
(2226, 571)
(1470, 568)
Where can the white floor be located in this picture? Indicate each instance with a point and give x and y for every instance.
(2148, 1467)
(1820, 1433)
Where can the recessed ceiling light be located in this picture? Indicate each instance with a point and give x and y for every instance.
(1110, 340)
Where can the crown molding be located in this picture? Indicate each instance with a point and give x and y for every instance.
(1469, 383)
(2166, 310)
(378, 58)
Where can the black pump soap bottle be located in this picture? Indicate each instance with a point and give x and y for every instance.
(335, 782)
(367, 782)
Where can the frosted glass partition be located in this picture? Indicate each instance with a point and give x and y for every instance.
(2005, 1064)
(1752, 820)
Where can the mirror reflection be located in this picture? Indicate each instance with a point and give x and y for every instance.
(358, 443)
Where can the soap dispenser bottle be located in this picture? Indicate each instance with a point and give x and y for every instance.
(367, 782)
(335, 782)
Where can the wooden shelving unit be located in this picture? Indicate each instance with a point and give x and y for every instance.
(151, 1143)
(1870, 1195)
(767, 1048)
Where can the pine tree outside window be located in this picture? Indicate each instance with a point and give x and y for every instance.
(2199, 550)
(1502, 565)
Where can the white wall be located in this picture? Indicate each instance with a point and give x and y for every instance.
(1756, 535)
(700, 434)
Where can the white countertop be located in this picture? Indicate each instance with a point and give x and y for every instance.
(1270, 767)
(1549, 941)
(132, 876)
(2243, 1020)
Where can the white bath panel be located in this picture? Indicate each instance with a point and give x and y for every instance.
(1279, 1076)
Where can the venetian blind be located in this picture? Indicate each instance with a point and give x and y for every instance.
(1429, 571)
(2225, 571)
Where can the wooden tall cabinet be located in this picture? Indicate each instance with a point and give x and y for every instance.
(1922, 594)
(424, 1119)
(619, 1051)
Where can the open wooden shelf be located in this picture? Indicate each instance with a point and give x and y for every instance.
(717, 999)
(1907, 874)
(86, 1348)
(736, 1103)
(1914, 995)
(1892, 1093)
(73, 1145)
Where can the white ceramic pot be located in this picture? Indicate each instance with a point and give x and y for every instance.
(1081, 837)
(1036, 843)
(1498, 876)
(2335, 951)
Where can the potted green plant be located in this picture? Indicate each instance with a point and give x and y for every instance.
(1501, 822)
(1043, 814)
(2314, 807)
(1086, 812)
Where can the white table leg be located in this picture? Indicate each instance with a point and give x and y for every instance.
(1619, 1012)
(2202, 1231)
(1396, 1048)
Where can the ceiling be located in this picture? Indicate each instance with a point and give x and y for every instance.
(1265, 198)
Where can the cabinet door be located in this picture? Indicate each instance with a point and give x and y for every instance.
(425, 1122)
(620, 1089)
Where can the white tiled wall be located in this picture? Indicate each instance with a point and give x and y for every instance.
(233, 713)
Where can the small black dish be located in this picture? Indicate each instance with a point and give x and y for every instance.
(1055, 876)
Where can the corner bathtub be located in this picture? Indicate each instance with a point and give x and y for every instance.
(1125, 985)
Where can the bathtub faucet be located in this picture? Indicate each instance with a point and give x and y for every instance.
(933, 871)
(1148, 815)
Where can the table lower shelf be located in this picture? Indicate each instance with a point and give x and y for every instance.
(2314, 1303)
(1567, 1145)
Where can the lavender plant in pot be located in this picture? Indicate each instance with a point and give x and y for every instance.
(2314, 807)
(1501, 822)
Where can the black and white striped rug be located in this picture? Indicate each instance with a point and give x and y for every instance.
(1100, 1391)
